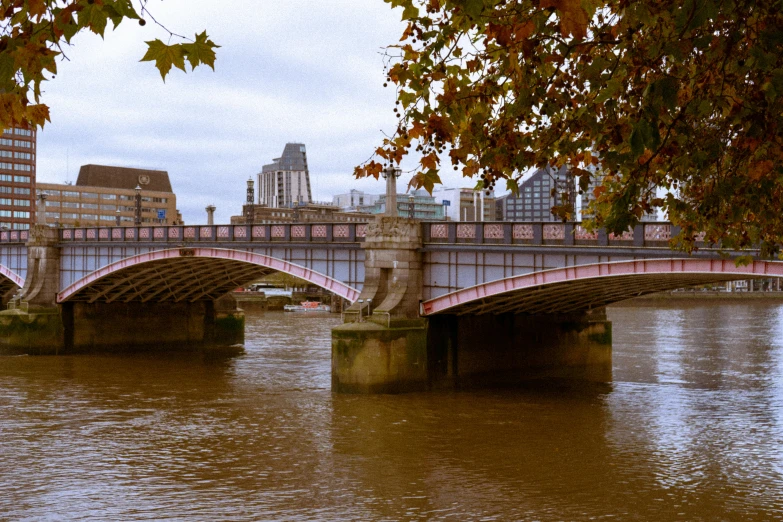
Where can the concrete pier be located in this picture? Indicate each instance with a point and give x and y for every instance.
(384, 346)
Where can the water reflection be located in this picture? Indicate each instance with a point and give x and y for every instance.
(689, 429)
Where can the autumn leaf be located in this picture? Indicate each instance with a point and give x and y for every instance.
(165, 56)
(573, 18)
(202, 50)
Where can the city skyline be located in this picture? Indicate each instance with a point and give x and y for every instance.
(213, 130)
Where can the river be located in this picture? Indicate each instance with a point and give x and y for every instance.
(690, 428)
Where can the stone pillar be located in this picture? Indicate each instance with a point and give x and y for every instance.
(33, 322)
(385, 350)
(224, 322)
(210, 215)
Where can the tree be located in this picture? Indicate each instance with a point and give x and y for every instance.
(34, 33)
(684, 95)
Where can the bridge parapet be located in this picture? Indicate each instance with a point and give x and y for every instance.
(262, 233)
(568, 234)
(14, 236)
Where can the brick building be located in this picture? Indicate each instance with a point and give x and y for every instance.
(17, 177)
(102, 194)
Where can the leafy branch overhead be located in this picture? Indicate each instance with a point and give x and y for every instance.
(668, 104)
(34, 33)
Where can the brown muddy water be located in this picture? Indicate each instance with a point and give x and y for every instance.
(690, 428)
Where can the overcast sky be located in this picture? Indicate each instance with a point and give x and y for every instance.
(294, 71)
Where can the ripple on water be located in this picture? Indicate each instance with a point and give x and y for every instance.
(690, 429)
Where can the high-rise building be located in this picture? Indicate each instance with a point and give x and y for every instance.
(17, 177)
(544, 189)
(285, 182)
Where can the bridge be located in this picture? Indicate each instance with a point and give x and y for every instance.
(433, 303)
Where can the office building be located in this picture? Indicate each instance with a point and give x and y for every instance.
(544, 189)
(419, 205)
(286, 181)
(354, 199)
(589, 196)
(103, 195)
(17, 177)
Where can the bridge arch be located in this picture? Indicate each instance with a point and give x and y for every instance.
(579, 288)
(9, 280)
(187, 274)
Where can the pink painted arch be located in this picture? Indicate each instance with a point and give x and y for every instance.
(11, 276)
(188, 274)
(578, 288)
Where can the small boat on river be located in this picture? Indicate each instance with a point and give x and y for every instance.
(308, 306)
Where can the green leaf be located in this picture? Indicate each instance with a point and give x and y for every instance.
(410, 12)
(200, 51)
(473, 8)
(637, 140)
(165, 56)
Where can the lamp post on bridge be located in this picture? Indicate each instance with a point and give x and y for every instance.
(137, 213)
(210, 215)
(117, 216)
(390, 174)
(412, 206)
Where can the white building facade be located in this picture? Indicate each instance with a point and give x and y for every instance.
(285, 182)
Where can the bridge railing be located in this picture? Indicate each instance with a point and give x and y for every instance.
(520, 233)
(14, 236)
(293, 233)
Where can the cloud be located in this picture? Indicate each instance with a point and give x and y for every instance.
(301, 70)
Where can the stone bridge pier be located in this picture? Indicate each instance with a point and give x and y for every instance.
(387, 346)
(35, 323)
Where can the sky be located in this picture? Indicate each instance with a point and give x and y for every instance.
(295, 71)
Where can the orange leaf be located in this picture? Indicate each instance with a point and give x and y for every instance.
(573, 18)
(430, 161)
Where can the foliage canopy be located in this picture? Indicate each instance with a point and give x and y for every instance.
(34, 33)
(684, 95)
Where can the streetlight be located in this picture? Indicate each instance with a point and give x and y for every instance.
(411, 206)
(390, 174)
(117, 216)
(361, 305)
(137, 216)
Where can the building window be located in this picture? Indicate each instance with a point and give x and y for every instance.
(22, 202)
(53, 215)
(19, 166)
(70, 204)
(5, 201)
(89, 205)
(69, 194)
(89, 195)
(108, 196)
(19, 190)
(21, 214)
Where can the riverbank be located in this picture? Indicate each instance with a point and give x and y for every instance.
(702, 295)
